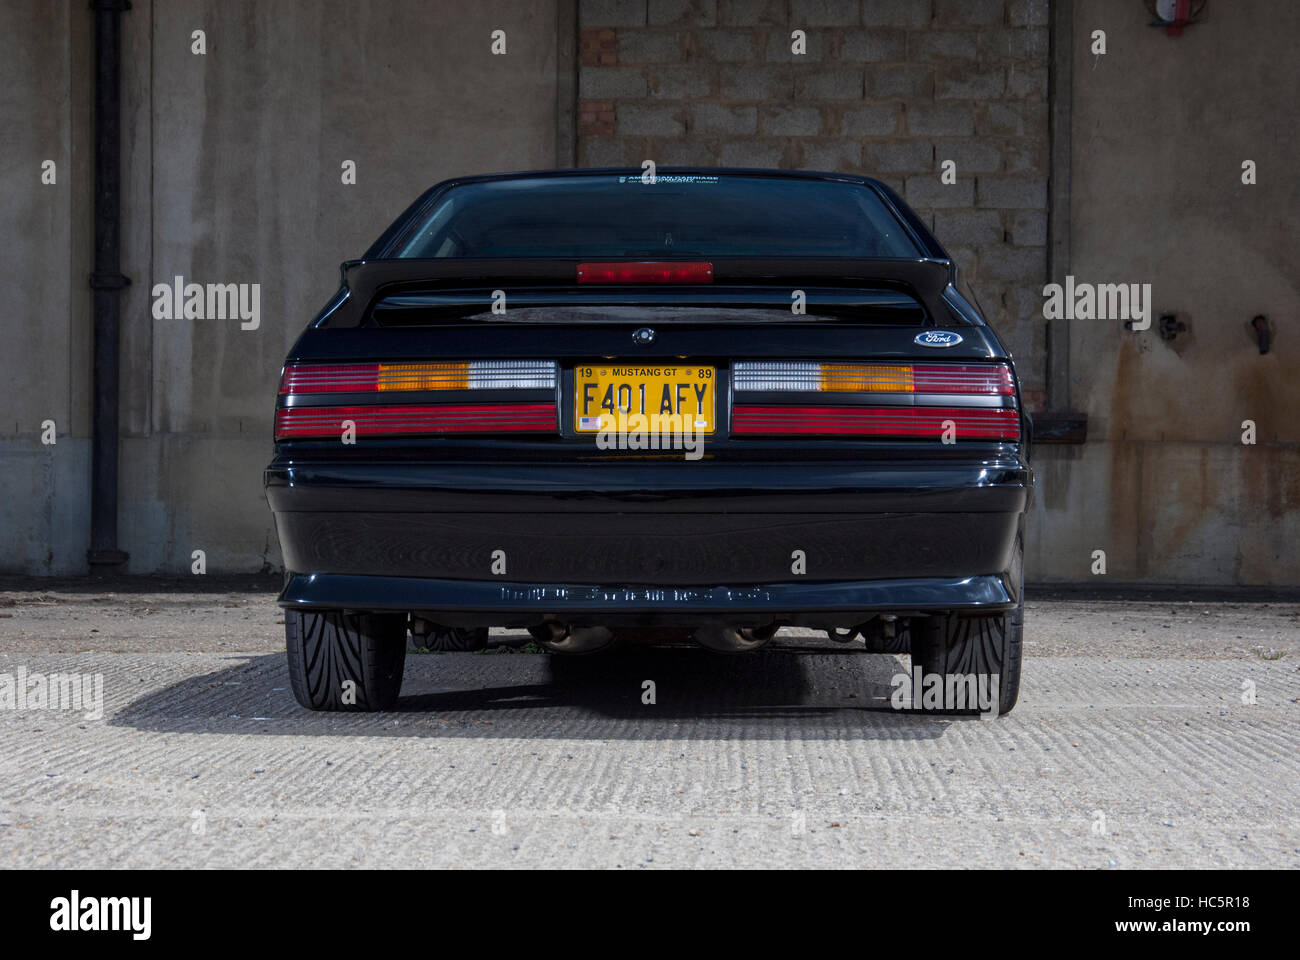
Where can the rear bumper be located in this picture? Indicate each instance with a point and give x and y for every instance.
(648, 539)
(484, 603)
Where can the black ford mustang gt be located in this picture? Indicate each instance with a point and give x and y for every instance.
(592, 401)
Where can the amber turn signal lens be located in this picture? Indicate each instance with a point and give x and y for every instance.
(424, 376)
(866, 378)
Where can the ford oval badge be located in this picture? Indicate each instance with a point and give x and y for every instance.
(938, 338)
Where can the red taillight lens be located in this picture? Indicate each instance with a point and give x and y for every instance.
(409, 419)
(967, 423)
(329, 378)
(650, 271)
(963, 378)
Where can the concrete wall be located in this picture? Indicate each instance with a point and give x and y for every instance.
(232, 162)
(1161, 127)
(45, 231)
(233, 175)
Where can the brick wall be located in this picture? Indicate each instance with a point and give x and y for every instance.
(887, 88)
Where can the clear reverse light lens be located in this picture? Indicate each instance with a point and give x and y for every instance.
(511, 374)
(783, 375)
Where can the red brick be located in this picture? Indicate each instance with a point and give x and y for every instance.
(599, 46)
(595, 118)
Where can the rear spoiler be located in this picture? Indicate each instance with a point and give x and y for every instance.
(364, 281)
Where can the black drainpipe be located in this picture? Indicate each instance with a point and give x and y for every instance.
(107, 282)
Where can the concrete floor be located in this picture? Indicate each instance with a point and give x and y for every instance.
(1132, 746)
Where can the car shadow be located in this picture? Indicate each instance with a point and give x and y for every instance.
(790, 689)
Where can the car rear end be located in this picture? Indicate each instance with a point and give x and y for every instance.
(578, 402)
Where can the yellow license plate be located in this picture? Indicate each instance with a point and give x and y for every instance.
(667, 399)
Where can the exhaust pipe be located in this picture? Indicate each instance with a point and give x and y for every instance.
(727, 639)
(882, 634)
(561, 638)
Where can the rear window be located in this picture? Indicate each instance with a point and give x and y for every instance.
(610, 215)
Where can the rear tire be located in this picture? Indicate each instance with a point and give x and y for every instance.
(980, 645)
(345, 661)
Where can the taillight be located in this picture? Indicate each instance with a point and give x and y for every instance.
(925, 400)
(303, 378)
(923, 378)
(389, 399)
(646, 271)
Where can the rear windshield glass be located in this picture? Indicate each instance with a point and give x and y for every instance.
(609, 215)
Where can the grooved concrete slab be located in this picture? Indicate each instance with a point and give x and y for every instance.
(791, 757)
